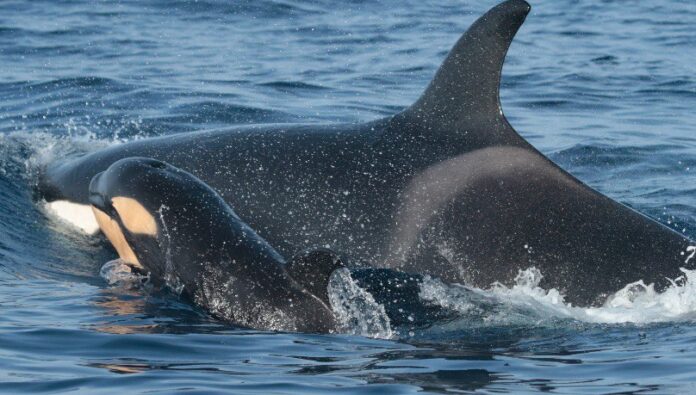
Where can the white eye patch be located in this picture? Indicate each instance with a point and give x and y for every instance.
(134, 217)
(78, 215)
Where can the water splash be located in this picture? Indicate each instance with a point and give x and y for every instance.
(118, 273)
(26, 153)
(526, 303)
(522, 305)
(356, 309)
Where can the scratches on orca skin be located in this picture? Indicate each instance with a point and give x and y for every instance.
(135, 218)
(170, 277)
(113, 232)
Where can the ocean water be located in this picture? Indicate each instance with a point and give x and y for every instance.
(606, 89)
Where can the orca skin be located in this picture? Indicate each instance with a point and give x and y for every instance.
(446, 187)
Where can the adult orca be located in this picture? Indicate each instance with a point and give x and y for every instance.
(446, 187)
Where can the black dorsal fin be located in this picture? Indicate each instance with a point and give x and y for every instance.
(464, 95)
(312, 269)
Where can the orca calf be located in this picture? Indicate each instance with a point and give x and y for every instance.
(164, 221)
(446, 187)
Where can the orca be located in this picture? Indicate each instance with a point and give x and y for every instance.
(166, 223)
(446, 187)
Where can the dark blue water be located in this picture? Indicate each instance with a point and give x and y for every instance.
(606, 89)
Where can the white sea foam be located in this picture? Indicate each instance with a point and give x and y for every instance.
(526, 303)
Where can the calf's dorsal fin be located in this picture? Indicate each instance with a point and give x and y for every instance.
(463, 99)
(312, 269)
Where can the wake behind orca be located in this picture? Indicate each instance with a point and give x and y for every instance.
(446, 187)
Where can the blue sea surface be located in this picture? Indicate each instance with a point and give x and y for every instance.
(606, 89)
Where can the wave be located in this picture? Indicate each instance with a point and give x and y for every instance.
(34, 243)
